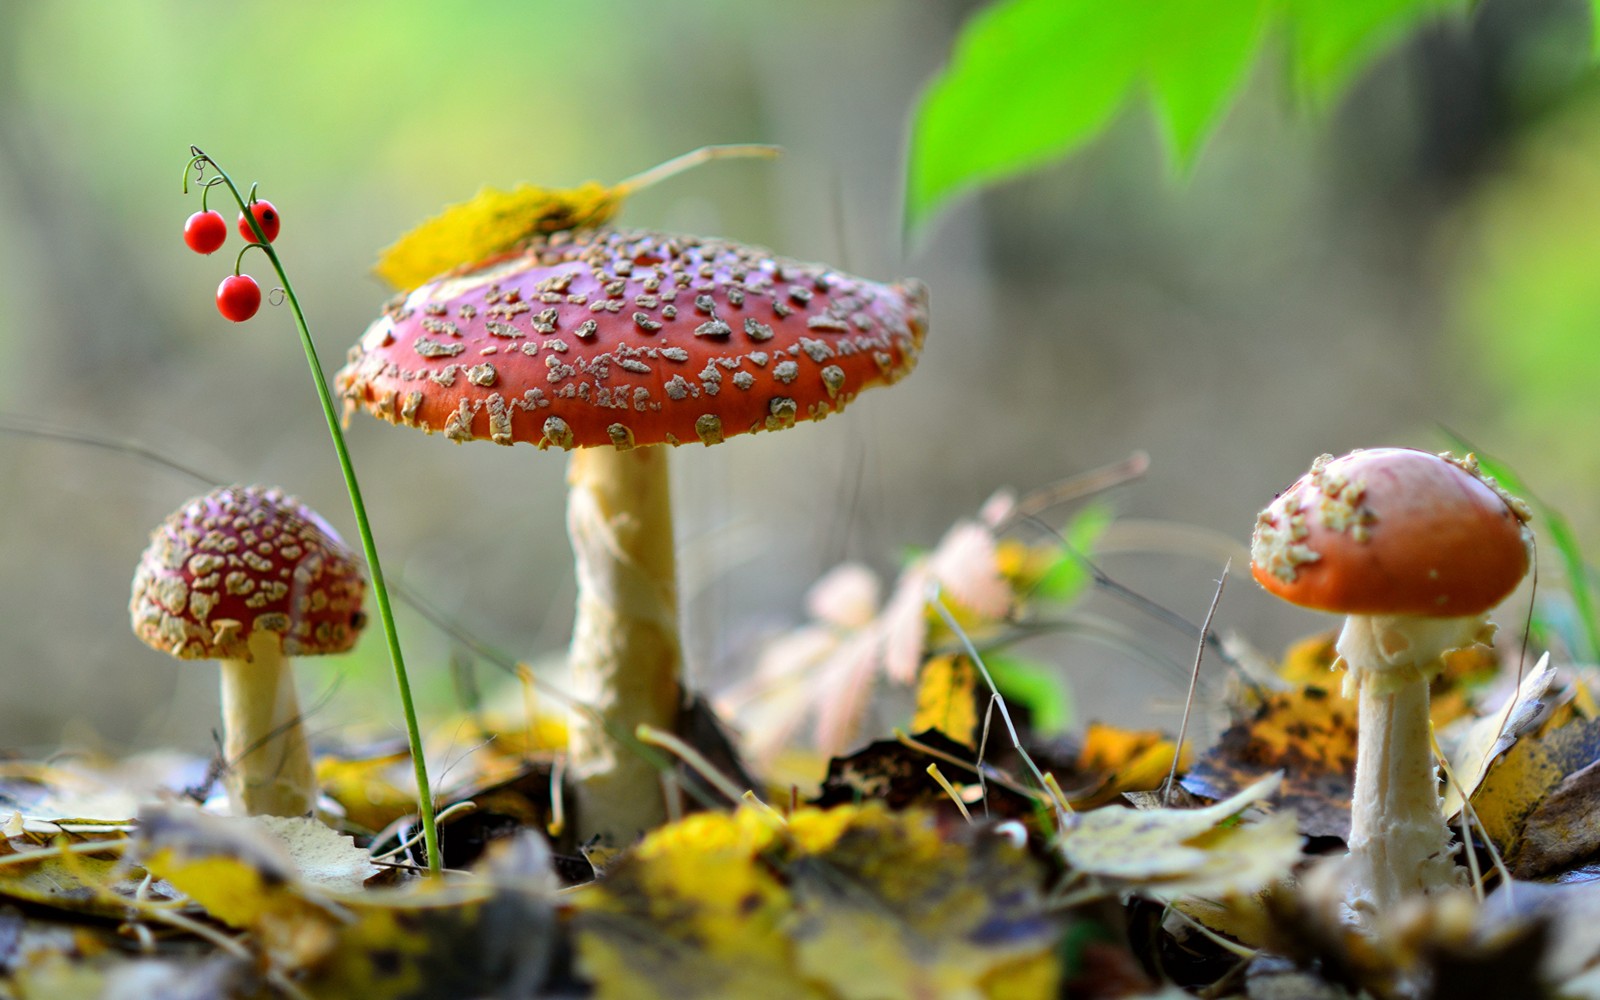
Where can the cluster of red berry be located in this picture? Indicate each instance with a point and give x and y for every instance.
(238, 297)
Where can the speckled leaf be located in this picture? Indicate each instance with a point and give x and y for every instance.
(1309, 734)
(491, 222)
(691, 912)
(494, 936)
(948, 699)
(894, 909)
(843, 902)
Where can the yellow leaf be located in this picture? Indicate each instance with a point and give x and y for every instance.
(81, 883)
(491, 935)
(247, 876)
(1179, 851)
(894, 909)
(1309, 734)
(844, 902)
(490, 223)
(1310, 661)
(1128, 760)
(947, 699)
(690, 912)
(369, 789)
(1526, 775)
(495, 221)
(1476, 747)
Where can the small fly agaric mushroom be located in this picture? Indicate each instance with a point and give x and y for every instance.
(250, 576)
(1416, 549)
(605, 342)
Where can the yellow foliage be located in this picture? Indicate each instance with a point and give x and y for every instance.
(1186, 851)
(79, 883)
(367, 788)
(490, 223)
(845, 902)
(947, 699)
(1527, 773)
(1130, 760)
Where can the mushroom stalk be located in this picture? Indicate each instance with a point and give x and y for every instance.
(625, 652)
(264, 742)
(1399, 843)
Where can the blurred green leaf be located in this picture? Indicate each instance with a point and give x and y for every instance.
(1067, 578)
(1580, 576)
(1333, 40)
(1036, 686)
(1030, 81)
(1197, 60)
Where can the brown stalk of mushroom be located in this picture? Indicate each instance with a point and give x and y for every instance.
(611, 344)
(1415, 549)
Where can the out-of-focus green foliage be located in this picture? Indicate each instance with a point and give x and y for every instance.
(1038, 687)
(1527, 296)
(1030, 81)
(1580, 630)
(1067, 577)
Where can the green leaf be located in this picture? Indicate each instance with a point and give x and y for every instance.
(1067, 578)
(1029, 80)
(1038, 687)
(1196, 63)
(1333, 40)
(1580, 576)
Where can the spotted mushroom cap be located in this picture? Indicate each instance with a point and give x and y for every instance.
(1393, 531)
(606, 337)
(242, 559)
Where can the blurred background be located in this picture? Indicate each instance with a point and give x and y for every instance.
(1420, 254)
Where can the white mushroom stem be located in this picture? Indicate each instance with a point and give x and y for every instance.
(625, 651)
(269, 764)
(1399, 843)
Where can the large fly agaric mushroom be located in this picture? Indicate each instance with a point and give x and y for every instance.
(250, 576)
(1416, 549)
(606, 343)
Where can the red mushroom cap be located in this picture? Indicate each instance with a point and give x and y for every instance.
(605, 337)
(242, 559)
(1392, 531)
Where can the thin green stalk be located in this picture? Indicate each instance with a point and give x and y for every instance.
(369, 548)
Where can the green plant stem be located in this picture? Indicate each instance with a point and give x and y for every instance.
(369, 548)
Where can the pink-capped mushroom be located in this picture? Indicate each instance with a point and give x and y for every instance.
(250, 577)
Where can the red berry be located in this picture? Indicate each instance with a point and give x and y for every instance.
(205, 232)
(266, 218)
(238, 297)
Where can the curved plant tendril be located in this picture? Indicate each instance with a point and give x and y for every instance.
(198, 163)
